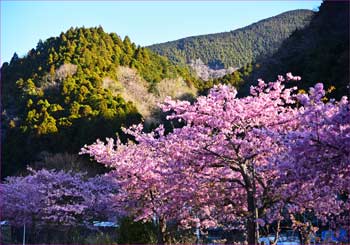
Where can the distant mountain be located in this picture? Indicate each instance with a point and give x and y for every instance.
(239, 47)
(75, 88)
(317, 53)
(86, 84)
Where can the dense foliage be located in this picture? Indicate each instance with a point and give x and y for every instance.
(57, 98)
(56, 206)
(244, 163)
(56, 197)
(227, 165)
(238, 47)
(315, 169)
(267, 158)
(319, 52)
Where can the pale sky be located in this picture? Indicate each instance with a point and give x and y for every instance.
(23, 23)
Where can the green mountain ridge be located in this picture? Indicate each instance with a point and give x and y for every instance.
(317, 53)
(238, 47)
(58, 97)
(87, 84)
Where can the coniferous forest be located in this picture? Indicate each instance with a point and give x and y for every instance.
(238, 47)
(59, 95)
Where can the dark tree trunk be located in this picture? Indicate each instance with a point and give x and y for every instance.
(48, 235)
(252, 239)
(307, 241)
(277, 233)
(161, 231)
(31, 235)
(305, 236)
(250, 189)
(14, 234)
(32, 232)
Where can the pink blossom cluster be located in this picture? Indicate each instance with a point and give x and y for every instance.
(236, 162)
(271, 151)
(315, 168)
(56, 197)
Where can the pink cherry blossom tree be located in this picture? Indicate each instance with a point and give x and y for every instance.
(239, 162)
(315, 168)
(216, 168)
(56, 197)
(138, 170)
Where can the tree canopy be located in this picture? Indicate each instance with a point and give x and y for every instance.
(238, 47)
(237, 162)
(55, 98)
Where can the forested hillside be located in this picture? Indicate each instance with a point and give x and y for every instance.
(107, 142)
(317, 53)
(87, 84)
(68, 91)
(238, 47)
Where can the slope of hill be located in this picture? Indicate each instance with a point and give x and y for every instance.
(238, 47)
(317, 53)
(133, 87)
(58, 98)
